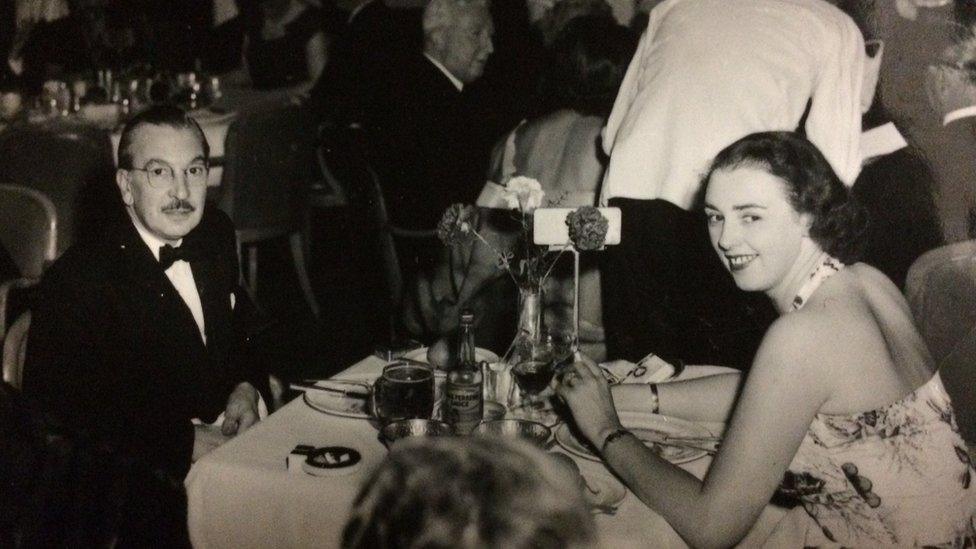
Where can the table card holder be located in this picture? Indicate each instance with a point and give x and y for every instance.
(550, 228)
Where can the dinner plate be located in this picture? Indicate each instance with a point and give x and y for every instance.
(602, 490)
(647, 427)
(420, 355)
(340, 405)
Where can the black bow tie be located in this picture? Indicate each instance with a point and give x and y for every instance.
(169, 255)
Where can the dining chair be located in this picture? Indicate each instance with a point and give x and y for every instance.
(29, 234)
(72, 166)
(269, 166)
(941, 291)
(344, 154)
(15, 350)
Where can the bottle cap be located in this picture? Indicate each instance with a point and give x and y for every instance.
(467, 316)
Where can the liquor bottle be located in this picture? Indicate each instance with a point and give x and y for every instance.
(463, 392)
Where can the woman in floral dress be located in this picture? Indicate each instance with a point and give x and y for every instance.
(841, 409)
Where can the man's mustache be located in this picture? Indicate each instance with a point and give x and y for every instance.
(179, 205)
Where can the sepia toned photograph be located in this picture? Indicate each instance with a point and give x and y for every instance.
(538, 274)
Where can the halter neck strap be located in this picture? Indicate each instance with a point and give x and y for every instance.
(827, 267)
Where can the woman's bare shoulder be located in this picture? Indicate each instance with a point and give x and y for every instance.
(822, 335)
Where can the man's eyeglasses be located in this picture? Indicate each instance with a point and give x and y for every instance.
(161, 176)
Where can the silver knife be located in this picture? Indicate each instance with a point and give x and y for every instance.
(311, 386)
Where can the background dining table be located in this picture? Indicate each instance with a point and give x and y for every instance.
(242, 494)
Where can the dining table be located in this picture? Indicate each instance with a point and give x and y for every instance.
(243, 495)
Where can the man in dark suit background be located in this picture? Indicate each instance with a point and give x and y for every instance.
(356, 85)
(433, 153)
(140, 332)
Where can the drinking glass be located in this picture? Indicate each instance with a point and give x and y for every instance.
(404, 391)
(535, 369)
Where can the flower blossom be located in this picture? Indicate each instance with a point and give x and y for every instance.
(457, 225)
(587, 228)
(524, 194)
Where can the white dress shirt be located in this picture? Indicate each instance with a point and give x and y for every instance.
(958, 114)
(708, 72)
(181, 275)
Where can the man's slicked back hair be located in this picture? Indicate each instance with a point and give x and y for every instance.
(158, 115)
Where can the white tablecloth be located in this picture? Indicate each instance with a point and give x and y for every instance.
(241, 495)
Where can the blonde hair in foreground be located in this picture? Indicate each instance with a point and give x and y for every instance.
(469, 492)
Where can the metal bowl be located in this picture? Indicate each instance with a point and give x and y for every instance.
(405, 428)
(532, 431)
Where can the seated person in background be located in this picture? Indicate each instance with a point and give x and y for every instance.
(139, 332)
(557, 14)
(428, 157)
(45, 40)
(429, 152)
(841, 410)
(897, 191)
(478, 492)
(560, 149)
(355, 86)
(285, 45)
(951, 88)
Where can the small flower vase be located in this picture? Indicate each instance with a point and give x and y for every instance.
(530, 315)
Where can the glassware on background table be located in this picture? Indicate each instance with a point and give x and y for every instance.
(497, 381)
(214, 89)
(404, 391)
(11, 103)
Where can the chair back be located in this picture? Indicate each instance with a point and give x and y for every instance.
(72, 167)
(941, 290)
(15, 350)
(270, 163)
(28, 229)
(344, 160)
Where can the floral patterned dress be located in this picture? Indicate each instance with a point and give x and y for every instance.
(897, 475)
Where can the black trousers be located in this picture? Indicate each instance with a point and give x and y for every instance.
(666, 292)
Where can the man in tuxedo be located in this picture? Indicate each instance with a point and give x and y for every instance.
(142, 332)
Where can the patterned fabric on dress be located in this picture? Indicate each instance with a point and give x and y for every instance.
(897, 475)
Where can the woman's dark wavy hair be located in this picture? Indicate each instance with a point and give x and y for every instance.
(811, 186)
(587, 62)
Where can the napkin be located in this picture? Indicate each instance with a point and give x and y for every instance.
(650, 369)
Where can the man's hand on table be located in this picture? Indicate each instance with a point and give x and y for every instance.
(242, 410)
(206, 438)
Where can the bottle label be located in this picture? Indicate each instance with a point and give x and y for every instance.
(465, 404)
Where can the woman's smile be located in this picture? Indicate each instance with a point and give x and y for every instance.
(740, 262)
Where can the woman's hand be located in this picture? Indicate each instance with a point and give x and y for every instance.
(586, 392)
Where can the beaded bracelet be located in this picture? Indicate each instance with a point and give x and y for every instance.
(612, 437)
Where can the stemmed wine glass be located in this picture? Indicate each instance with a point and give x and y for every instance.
(536, 367)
